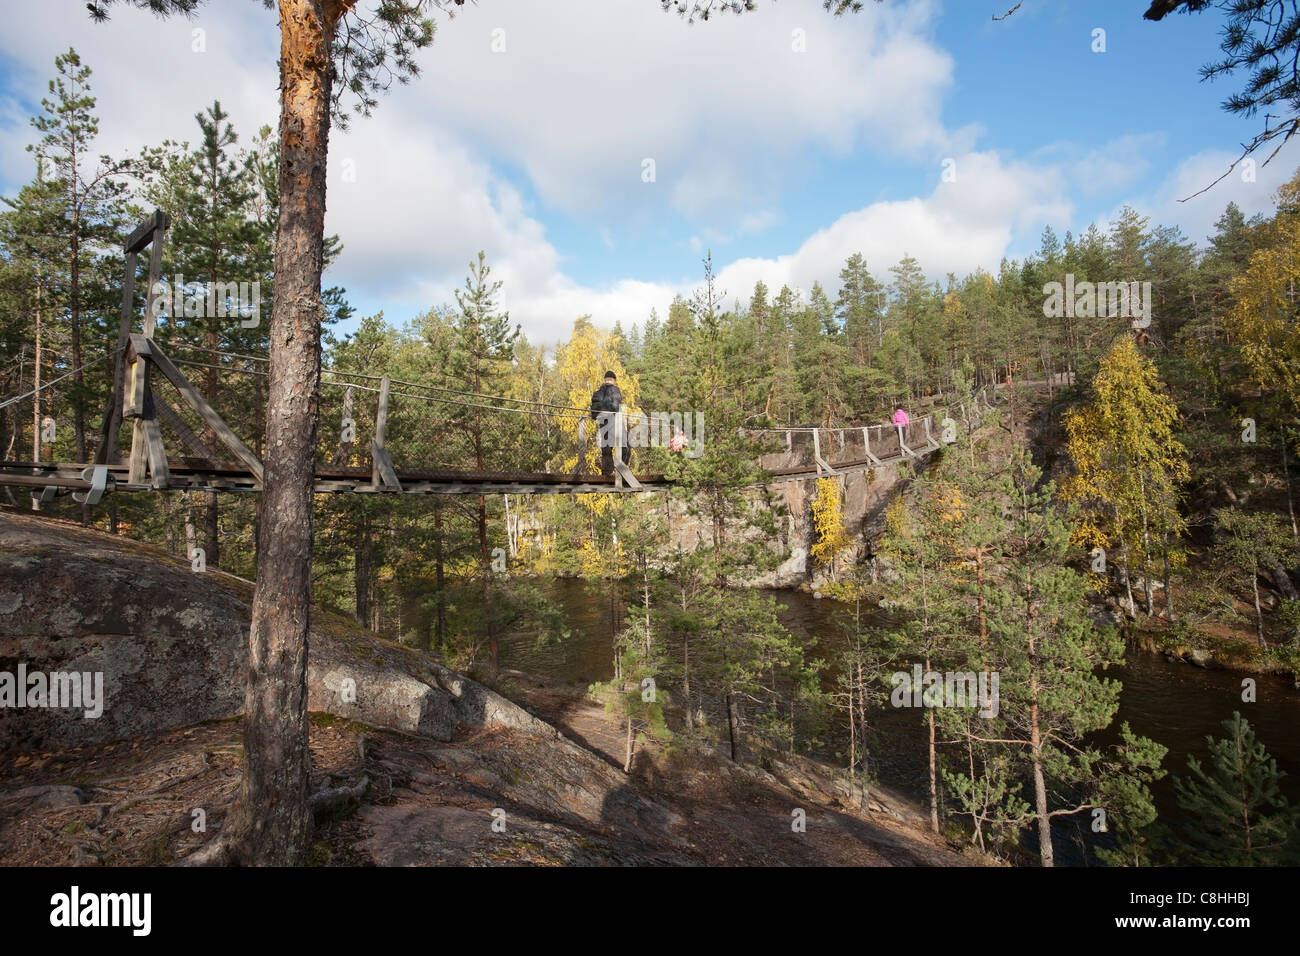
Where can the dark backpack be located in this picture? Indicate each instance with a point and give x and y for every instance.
(607, 398)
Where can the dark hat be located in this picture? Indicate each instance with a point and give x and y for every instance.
(611, 375)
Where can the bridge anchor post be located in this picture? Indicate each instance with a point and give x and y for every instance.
(382, 473)
(866, 444)
(823, 466)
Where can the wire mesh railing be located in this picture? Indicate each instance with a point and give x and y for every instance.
(811, 446)
(39, 424)
(440, 429)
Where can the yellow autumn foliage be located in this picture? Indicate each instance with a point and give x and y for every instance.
(1262, 322)
(1128, 464)
(828, 522)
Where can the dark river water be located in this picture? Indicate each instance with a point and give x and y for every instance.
(1173, 703)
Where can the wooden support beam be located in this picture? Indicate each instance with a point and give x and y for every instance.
(158, 470)
(379, 458)
(144, 233)
(383, 467)
(381, 414)
(107, 452)
(822, 464)
(344, 451)
(623, 472)
(902, 445)
(138, 460)
(155, 272)
(866, 444)
(580, 465)
(929, 438)
(137, 378)
(196, 401)
(149, 231)
(140, 400)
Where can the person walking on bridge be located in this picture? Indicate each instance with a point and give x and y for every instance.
(606, 403)
(901, 421)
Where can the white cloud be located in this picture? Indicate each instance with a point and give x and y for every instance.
(1198, 214)
(959, 227)
(726, 109)
(1117, 165)
(146, 77)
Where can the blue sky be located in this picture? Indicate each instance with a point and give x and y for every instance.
(783, 140)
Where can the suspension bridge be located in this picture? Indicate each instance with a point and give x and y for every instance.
(179, 420)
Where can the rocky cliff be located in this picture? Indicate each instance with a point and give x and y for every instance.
(171, 646)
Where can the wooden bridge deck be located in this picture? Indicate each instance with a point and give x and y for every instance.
(191, 474)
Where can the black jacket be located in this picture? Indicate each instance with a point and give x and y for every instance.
(604, 401)
(606, 398)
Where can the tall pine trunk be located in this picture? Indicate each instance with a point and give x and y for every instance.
(440, 582)
(74, 315)
(733, 726)
(1259, 612)
(270, 822)
(631, 741)
(74, 293)
(1036, 753)
(211, 540)
(485, 556)
(36, 395)
(1286, 474)
(934, 771)
(362, 571)
(211, 544)
(1040, 805)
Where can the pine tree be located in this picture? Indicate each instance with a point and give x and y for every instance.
(982, 776)
(211, 241)
(93, 217)
(29, 238)
(863, 669)
(1235, 811)
(1050, 652)
(482, 350)
(1125, 795)
(320, 55)
(669, 379)
(635, 692)
(858, 308)
(919, 572)
(821, 361)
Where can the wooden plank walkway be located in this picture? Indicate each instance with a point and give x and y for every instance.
(194, 474)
